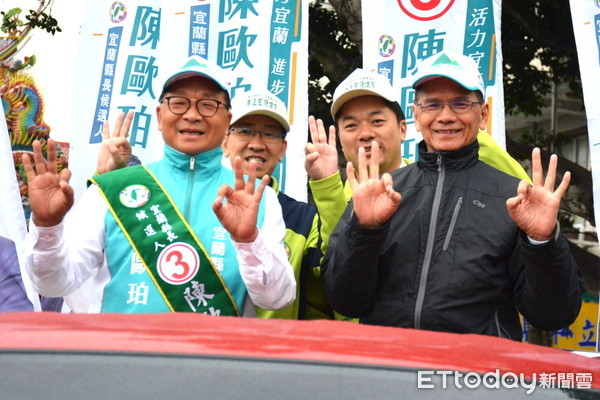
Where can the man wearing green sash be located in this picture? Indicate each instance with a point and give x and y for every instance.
(153, 238)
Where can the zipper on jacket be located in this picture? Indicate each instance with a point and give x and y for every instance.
(437, 198)
(190, 187)
(499, 327)
(452, 223)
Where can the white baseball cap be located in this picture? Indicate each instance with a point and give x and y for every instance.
(458, 67)
(259, 102)
(197, 66)
(362, 83)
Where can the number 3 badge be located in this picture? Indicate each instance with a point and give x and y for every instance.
(178, 263)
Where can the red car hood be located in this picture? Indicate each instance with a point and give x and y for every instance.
(320, 341)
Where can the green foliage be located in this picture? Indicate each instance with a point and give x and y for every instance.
(543, 139)
(538, 47)
(566, 221)
(43, 21)
(11, 21)
(329, 39)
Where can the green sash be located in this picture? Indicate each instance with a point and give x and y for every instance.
(165, 243)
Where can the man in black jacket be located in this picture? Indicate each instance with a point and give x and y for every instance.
(444, 244)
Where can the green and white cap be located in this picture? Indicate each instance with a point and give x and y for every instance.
(259, 102)
(447, 64)
(198, 66)
(362, 82)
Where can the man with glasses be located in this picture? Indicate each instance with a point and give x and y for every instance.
(258, 134)
(365, 109)
(153, 238)
(444, 244)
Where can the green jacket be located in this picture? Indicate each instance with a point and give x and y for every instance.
(307, 233)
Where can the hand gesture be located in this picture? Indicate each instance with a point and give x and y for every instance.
(239, 214)
(535, 208)
(321, 155)
(115, 150)
(50, 195)
(374, 198)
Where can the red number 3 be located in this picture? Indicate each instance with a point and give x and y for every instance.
(179, 263)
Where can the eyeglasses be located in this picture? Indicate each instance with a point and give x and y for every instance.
(248, 134)
(458, 106)
(206, 107)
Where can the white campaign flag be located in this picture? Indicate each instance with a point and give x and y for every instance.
(586, 26)
(397, 34)
(12, 216)
(125, 51)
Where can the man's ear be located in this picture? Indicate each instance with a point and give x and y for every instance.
(158, 118)
(485, 112)
(402, 127)
(224, 145)
(283, 150)
(417, 125)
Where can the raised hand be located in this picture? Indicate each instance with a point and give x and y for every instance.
(50, 195)
(373, 197)
(535, 208)
(115, 150)
(239, 214)
(321, 155)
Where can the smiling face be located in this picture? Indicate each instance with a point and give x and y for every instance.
(266, 153)
(366, 119)
(191, 133)
(446, 130)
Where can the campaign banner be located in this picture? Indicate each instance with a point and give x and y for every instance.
(397, 34)
(127, 49)
(586, 26)
(12, 217)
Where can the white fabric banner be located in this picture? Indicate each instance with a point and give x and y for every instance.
(126, 50)
(397, 34)
(586, 25)
(12, 216)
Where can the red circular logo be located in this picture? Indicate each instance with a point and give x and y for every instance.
(178, 263)
(425, 10)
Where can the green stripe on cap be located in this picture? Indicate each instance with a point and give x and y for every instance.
(444, 59)
(194, 63)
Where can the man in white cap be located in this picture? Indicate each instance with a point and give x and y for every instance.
(258, 134)
(153, 237)
(365, 108)
(444, 244)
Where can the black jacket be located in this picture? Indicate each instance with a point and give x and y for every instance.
(451, 258)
